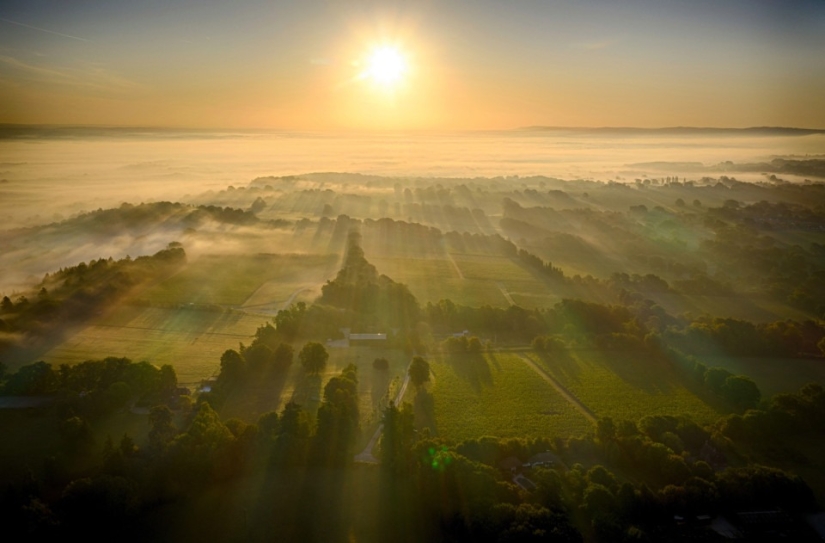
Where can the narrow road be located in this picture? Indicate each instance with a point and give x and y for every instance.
(572, 400)
(365, 456)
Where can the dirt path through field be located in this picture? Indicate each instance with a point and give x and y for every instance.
(580, 407)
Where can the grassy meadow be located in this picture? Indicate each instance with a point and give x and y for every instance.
(189, 339)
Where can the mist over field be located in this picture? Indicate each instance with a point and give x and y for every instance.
(51, 175)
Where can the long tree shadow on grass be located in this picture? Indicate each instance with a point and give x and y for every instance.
(424, 411)
(472, 367)
(561, 365)
(380, 380)
(307, 392)
(642, 369)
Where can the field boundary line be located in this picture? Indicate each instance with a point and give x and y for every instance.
(506, 294)
(561, 389)
(169, 331)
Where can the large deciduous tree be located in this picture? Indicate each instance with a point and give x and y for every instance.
(313, 357)
(419, 371)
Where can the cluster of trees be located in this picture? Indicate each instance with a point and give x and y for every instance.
(266, 360)
(462, 344)
(102, 492)
(148, 215)
(790, 274)
(392, 236)
(739, 390)
(76, 292)
(377, 300)
(788, 338)
(545, 268)
(94, 387)
(784, 417)
(638, 324)
(668, 465)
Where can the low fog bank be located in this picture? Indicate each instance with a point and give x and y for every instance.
(133, 231)
(57, 175)
(55, 188)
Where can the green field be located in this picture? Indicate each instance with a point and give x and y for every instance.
(625, 385)
(497, 394)
(236, 279)
(434, 279)
(491, 267)
(189, 339)
(469, 279)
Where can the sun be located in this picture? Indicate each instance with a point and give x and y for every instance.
(385, 66)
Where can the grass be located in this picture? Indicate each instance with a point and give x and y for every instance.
(192, 341)
(235, 280)
(497, 394)
(626, 385)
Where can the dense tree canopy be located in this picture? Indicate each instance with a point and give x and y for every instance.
(313, 357)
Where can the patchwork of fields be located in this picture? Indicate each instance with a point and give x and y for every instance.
(238, 280)
(468, 279)
(189, 339)
(497, 393)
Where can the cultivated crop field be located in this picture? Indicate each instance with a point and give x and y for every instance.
(434, 279)
(497, 394)
(191, 340)
(492, 267)
(624, 385)
(234, 280)
(468, 279)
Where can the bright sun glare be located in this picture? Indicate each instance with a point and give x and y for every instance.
(386, 66)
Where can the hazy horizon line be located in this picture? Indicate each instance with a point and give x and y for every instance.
(624, 128)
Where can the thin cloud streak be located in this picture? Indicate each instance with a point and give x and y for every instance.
(44, 30)
(93, 77)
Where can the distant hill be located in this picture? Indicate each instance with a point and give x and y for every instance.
(682, 130)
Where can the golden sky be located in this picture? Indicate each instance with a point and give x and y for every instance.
(486, 64)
